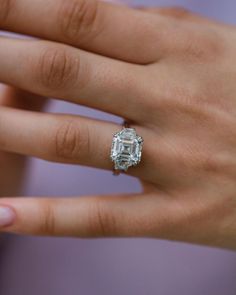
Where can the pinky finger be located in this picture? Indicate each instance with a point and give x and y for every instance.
(84, 217)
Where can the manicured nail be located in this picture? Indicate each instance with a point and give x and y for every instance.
(7, 216)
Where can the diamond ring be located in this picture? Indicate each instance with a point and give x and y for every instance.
(126, 149)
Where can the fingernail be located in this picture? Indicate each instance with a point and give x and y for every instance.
(7, 216)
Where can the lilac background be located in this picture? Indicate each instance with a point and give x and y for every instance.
(68, 266)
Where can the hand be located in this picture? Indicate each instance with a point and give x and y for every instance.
(169, 72)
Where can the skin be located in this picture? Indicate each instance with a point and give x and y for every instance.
(169, 72)
(15, 165)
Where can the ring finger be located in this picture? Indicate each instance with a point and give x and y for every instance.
(58, 138)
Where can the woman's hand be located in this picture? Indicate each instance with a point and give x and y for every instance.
(171, 73)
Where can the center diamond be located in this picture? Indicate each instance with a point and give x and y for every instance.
(126, 149)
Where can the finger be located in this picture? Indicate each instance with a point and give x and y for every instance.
(130, 215)
(57, 138)
(60, 71)
(155, 215)
(65, 139)
(13, 164)
(178, 13)
(112, 30)
(18, 98)
(78, 140)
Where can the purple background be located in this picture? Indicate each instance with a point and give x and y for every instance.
(69, 266)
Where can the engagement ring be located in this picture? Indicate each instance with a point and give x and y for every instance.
(126, 149)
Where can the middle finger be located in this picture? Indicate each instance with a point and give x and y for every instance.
(60, 71)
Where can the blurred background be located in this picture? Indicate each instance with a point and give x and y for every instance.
(37, 266)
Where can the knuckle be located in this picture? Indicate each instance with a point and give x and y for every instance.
(78, 18)
(216, 163)
(178, 12)
(5, 9)
(102, 222)
(203, 46)
(71, 141)
(200, 160)
(48, 222)
(57, 68)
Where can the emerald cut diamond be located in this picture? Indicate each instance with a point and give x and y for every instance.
(126, 149)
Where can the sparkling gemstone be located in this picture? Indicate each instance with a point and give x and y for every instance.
(126, 149)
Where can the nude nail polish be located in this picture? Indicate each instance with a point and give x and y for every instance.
(7, 216)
